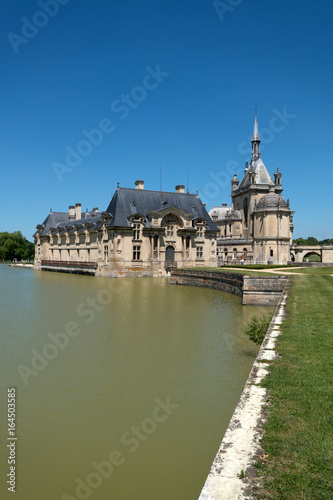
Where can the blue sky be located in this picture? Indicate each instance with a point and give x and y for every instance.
(170, 85)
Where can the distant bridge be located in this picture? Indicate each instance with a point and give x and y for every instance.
(300, 253)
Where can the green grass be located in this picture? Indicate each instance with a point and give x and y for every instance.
(261, 266)
(312, 270)
(298, 442)
(236, 270)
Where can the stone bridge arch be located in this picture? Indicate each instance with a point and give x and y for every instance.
(309, 254)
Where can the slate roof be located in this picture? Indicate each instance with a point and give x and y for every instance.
(60, 219)
(128, 201)
(220, 211)
(261, 175)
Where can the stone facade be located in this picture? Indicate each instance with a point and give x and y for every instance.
(257, 228)
(141, 233)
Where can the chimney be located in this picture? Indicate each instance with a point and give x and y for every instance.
(180, 188)
(71, 212)
(139, 185)
(78, 210)
(95, 210)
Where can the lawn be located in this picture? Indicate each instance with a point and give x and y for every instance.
(234, 270)
(298, 442)
(311, 270)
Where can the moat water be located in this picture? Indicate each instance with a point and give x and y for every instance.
(134, 400)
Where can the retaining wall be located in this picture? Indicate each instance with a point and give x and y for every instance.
(254, 290)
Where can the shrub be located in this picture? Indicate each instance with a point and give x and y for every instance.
(257, 328)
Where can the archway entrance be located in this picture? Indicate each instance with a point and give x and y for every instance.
(169, 254)
(312, 257)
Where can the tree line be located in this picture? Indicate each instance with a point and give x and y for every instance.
(311, 241)
(15, 246)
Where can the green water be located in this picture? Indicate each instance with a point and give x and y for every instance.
(139, 344)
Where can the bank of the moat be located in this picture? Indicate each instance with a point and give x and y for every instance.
(233, 475)
(254, 290)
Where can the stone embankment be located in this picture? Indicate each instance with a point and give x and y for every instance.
(254, 290)
(232, 475)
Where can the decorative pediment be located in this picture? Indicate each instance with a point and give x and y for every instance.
(137, 217)
(172, 218)
(199, 220)
(173, 210)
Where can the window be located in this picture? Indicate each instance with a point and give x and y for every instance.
(235, 253)
(245, 252)
(246, 210)
(169, 233)
(155, 246)
(187, 246)
(136, 231)
(199, 233)
(106, 254)
(199, 253)
(271, 253)
(136, 252)
(225, 253)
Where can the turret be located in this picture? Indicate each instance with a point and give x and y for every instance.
(234, 183)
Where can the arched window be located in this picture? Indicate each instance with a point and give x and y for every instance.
(245, 252)
(235, 253)
(246, 211)
(271, 253)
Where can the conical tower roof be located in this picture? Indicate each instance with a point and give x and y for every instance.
(257, 165)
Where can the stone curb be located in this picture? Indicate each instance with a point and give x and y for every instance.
(240, 446)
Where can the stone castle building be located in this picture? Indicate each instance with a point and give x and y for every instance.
(147, 233)
(141, 233)
(257, 227)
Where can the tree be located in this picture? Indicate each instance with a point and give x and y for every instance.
(15, 246)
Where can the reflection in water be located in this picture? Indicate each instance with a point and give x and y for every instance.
(133, 406)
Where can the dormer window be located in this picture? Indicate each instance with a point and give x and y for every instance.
(199, 236)
(169, 232)
(136, 232)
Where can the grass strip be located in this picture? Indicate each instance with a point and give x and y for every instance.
(298, 439)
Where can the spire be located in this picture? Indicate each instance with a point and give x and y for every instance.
(255, 141)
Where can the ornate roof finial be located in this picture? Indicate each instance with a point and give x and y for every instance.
(255, 140)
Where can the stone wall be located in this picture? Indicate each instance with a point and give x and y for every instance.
(254, 290)
(227, 282)
(263, 290)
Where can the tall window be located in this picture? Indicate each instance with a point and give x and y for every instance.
(199, 233)
(136, 252)
(245, 252)
(246, 210)
(199, 253)
(271, 253)
(155, 246)
(136, 232)
(169, 233)
(235, 253)
(106, 254)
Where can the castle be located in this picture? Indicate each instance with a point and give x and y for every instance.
(147, 233)
(141, 233)
(257, 228)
